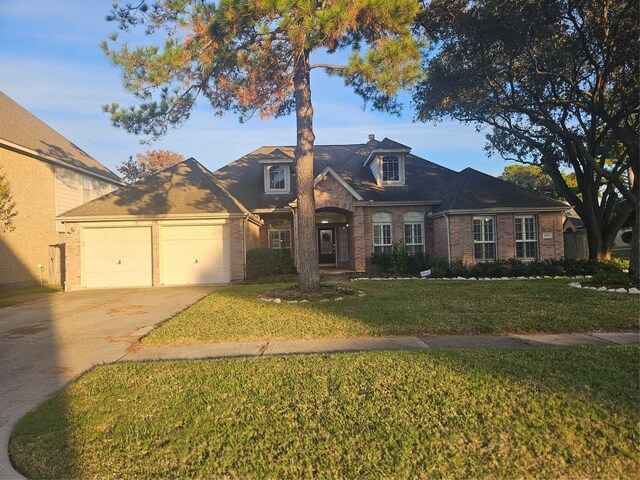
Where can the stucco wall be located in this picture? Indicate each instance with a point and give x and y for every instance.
(32, 185)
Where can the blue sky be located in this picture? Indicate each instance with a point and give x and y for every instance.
(52, 65)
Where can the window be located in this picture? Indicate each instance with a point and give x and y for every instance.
(280, 234)
(381, 232)
(526, 237)
(414, 232)
(390, 169)
(484, 239)
(276, 179)
(86, 188)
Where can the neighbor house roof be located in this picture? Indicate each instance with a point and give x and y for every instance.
(474, 190)
(20, 130)
(186, 188)
(425, 181)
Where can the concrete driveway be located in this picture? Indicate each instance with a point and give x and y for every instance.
(46, 343)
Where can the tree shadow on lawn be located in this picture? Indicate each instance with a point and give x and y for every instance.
(564, 412)
(401, 308)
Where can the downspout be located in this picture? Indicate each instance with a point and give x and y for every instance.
(244, 247)
(448, 239)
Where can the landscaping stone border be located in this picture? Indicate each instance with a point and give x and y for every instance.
(631, 290)
(360, 293)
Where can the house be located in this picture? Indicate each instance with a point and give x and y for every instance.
(48, 175)
(188, 225)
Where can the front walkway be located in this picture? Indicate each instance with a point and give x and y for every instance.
(364, 344)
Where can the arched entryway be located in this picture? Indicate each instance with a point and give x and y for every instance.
(334, 228)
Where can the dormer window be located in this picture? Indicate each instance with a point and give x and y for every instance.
(390, 169)
(277, 178)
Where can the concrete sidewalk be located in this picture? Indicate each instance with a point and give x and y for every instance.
(365, 344)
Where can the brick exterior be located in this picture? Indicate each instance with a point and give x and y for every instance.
(238, 231)
(397, 229)
(440, 237)
(32, 185)
(461, 234)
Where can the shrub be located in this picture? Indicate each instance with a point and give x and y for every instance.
(265, 262)
(400, 258)
(611, 277)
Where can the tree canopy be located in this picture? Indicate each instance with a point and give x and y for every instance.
(557, 83)
(255, 56)
(147, 163)
(534, 178)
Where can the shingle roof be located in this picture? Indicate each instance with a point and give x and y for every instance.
(474, 190)
(182, 189)
(425, 181)
(22, 128)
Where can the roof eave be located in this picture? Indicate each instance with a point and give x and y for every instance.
(44, 157)
(468, 211)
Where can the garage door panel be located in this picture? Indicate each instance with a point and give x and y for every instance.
(117, 257)
(194, 254)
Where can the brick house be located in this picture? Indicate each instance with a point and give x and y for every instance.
(47, 175)
(367, 197)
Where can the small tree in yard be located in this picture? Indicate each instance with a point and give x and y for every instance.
(534, 178)
(556, 81)
(147, 163)
(7, 206)
(254, 56)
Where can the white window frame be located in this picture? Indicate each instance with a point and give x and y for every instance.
(267, 178)
(274, 234)
(486, 238)
(415, 222)
(382, 223)
(524, 237)
(400, 160)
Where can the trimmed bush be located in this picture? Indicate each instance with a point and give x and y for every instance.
(266, 262)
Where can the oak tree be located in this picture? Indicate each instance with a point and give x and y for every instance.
(256, 56)
(556, 83)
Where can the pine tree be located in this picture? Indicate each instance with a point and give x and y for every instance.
(254, 56)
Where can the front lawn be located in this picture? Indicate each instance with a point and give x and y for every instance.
(538, 413)
(403, 308)
(20, 295)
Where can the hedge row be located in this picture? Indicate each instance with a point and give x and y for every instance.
(401, 262)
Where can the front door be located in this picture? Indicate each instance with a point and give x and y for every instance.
(327, 246)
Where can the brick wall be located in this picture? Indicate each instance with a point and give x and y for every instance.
(73, 257)
(32, 185)
(439, 237)
(461, 233)
(397, 226)
(236, 237)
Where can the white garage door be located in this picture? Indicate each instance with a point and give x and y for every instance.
(193, 254)
(117, 257)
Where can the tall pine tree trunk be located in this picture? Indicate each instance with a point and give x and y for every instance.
(308, 268)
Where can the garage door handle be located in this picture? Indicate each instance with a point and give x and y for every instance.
(196, 261)
(119, 262)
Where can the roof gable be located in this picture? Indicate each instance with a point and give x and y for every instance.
(21, 130)
(186, 188)
(330, 171)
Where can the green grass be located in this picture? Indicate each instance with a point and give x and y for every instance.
(538, 413)
(21, 295)
(403, 308)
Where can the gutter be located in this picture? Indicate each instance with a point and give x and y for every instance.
(559, 208)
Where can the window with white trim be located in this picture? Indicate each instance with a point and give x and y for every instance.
(280, 234)
(276, 179)
(382, 238)
(414, 232)
(526, 227)
(390, 169)
(484, 239)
